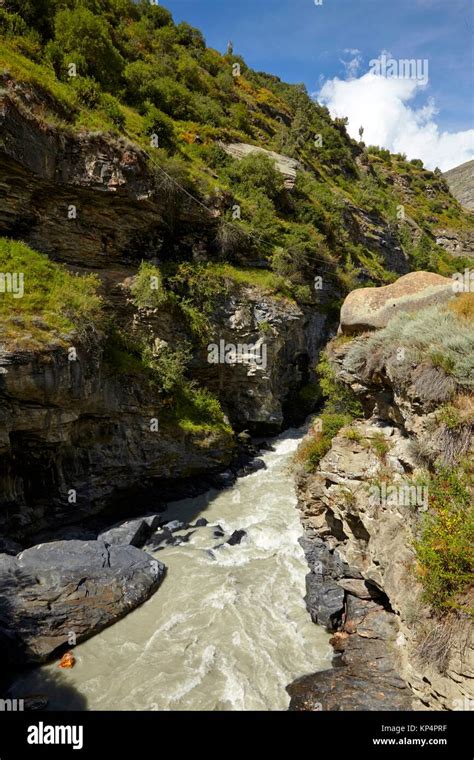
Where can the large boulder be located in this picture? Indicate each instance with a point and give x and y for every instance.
(133, 532)
(372, 308)
(284, 164)
(60, 593)
(365, 678)
(324, 601)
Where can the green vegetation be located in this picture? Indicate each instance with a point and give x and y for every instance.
(380, 445)
(195, 410)
(54, 307)
(318, 442)
(147, 289)
(127, 69)
(450, 416)
(444, 547)
(341, 407)
(417, 334)
(338, 397)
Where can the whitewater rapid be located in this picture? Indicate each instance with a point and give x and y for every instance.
(227, 629)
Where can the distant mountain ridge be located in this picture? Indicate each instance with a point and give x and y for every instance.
(461, 183)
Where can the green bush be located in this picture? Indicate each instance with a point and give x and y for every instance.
(444, 547)
(257, 172)
(88, 91)
(206, 110)
(84, 39)
(158, 123)
(339, 398)
(112, 108)
(168, 367)
(340, 408)
(147, 289)
(11, 24)
(317, 444)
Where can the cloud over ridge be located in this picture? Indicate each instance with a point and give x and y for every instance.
(382, 106)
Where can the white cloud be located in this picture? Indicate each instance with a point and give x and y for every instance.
(353, 65)
(381, 106)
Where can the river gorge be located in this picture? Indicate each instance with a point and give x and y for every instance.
(228, 628)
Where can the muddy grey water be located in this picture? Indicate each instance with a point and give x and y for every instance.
(223, 632)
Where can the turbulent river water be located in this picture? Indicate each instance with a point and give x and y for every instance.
(225, 631)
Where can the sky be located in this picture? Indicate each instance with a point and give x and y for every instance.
(332, 46)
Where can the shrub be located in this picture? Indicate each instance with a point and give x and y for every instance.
(11, 24)
(339, 397)
(380, 445)
(112, 108)
(257, 172)
(197, 410)
(168, 366)
(147, 289)
(189, 36)
(206, 110)
(88, 91)
(463, 306)
(84, 39)
(317, 444)
(159, 124)
(156, 15)
(431, 330)
(444, 547)
(301, 258)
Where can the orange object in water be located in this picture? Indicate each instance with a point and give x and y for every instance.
(67, 660)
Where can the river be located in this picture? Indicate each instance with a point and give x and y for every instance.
(227, 629)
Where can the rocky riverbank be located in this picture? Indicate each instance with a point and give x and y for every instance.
(73, 581)
(362, 509)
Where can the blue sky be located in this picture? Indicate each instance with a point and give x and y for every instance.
(303, 42)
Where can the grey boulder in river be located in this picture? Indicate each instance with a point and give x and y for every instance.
(58, 593)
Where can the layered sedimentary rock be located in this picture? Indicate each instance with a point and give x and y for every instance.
(75, 436)
(362, 510)
(82, 198)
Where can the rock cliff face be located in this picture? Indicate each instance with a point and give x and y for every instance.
(461, 183)
(362, 512)
(120, 216)
(457, 242)
(75, 436)
(289, 338)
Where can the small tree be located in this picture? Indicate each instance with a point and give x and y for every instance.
(84, 39)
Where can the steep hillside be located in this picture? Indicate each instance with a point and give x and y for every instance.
(461, 183)
(158, 198)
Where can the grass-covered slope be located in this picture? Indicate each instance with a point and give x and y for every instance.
(42, 303)
(126, 69)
